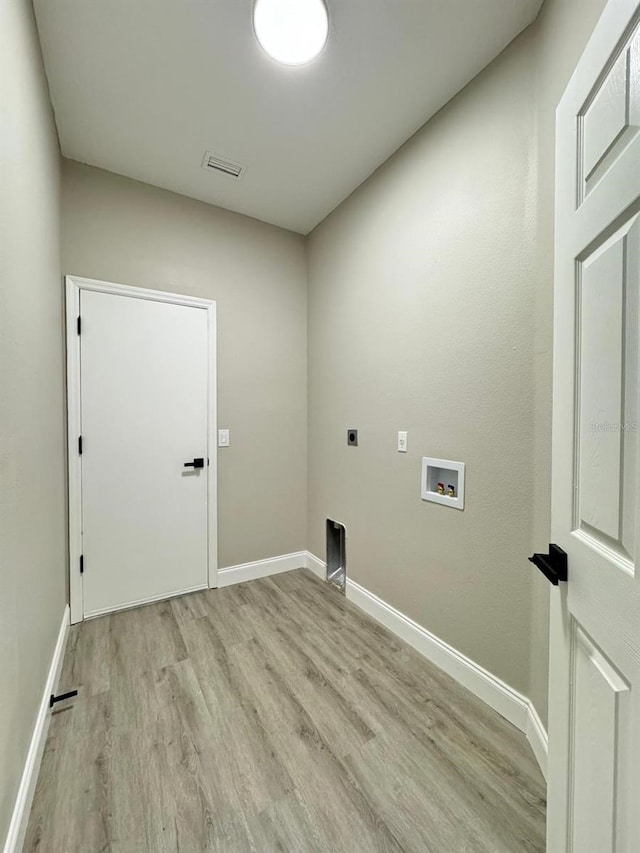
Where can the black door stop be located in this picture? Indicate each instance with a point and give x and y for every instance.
(552, 565)
(53, 699)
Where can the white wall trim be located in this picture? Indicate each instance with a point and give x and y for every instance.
(272, 566)
(509, 703)
(261, 568)
(24, 798)
(502, 698)
(538, 738)
(317, 566)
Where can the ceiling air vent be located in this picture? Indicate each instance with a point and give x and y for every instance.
(211, 162)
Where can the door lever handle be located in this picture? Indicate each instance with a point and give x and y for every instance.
(552, 565)
(197, 463)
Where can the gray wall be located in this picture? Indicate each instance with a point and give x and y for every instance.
(430, 299)
(119, 230)
(421, 293)
(32, 512)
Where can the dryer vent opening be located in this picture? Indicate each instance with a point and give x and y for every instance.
(336, 554)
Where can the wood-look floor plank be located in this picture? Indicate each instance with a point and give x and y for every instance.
(286, 825)
(338, 808)
(269, 716)
(246, 757)
(336, 719)
(71, 801)
(188, 607)
(87, 664)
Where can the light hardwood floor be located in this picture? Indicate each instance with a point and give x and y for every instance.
(274, 716)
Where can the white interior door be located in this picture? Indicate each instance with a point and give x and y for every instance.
(594, 727)
(144, 368)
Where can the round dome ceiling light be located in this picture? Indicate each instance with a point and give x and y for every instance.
(292, 32)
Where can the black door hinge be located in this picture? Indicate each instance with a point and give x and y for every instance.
(81, 564)
(80, 445)
(79, 324)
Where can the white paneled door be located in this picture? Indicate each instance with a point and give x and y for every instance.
(143, 404)
(594, 726)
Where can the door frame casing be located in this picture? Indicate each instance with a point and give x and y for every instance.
(73, 287)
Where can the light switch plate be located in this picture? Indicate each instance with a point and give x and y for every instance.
(402, 441)
(223, 438)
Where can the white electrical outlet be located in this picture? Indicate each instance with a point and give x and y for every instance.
(402, 442)
(223, 438)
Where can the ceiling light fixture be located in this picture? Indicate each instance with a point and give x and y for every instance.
(292, 32)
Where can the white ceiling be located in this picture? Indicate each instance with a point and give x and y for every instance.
(144, 87)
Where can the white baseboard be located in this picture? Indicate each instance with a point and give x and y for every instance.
(317, 566)
(509, 703)
(538, 738)
(22, 807)
(261, 568)
(272, 566)
(502, 698)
